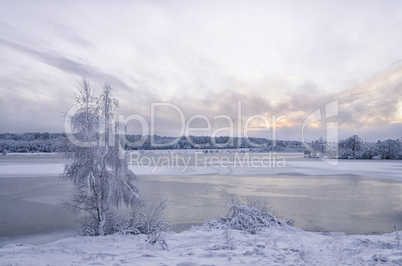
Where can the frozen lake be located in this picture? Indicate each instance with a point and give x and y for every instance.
(353, 197)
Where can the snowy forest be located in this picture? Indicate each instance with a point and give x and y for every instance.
(351, 148)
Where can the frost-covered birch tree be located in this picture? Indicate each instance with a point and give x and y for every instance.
(101, 177)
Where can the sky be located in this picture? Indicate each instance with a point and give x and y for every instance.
(267, 65)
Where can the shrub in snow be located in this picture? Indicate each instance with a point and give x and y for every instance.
(145, 219)
(149, 220)
(89, 224)
(249, 218)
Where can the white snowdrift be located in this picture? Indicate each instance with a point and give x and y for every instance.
(203, 246)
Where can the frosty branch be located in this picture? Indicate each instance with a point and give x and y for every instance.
(101, 177)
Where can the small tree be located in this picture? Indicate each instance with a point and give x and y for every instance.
(319, 147)
(101, 177)
(389, 149)
(351, 148)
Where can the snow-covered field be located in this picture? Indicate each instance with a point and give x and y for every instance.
(191, 162)
(204, 246)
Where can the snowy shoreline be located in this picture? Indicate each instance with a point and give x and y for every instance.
(276, 245)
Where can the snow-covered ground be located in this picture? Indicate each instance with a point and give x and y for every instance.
(204, 246)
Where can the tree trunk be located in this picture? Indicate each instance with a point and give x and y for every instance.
(102, 223)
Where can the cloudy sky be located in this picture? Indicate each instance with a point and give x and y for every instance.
(279, 59)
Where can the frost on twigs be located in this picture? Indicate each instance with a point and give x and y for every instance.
(149, 220)
(249, 218)
(101, 176)
(99, 170)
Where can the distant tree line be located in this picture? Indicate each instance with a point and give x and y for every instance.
(354, 148)
(58, 142)
(32, 142)
(207, 142)
(350, 148)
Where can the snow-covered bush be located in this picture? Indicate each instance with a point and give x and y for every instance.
(145, 219)
(88, 224)
(249, 218)
(149, 220)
